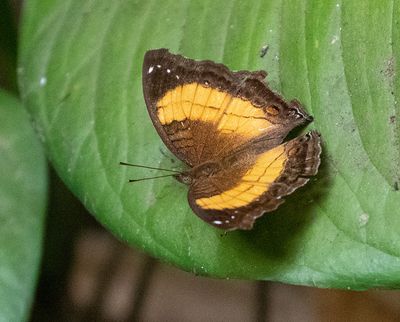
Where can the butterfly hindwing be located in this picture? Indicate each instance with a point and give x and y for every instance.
(259, 184)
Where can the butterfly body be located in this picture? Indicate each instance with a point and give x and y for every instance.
(228, 127)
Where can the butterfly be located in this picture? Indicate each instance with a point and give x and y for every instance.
(228, 127)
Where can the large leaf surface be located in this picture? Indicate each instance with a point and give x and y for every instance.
(23, 187)
(80, 75)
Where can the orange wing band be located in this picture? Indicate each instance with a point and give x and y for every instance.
(267, 168)
(199, 103)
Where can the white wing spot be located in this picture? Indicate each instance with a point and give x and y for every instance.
(158, 66)
(217, 222)
(168, 70)
(150, 69)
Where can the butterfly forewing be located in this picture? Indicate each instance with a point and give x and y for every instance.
(202, 110)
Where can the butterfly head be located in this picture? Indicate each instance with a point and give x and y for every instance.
(184, 177)
(204, 170)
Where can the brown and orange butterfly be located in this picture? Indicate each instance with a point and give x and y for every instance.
(228, 127)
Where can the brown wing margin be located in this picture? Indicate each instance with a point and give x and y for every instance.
(163, 71)
(302, 162)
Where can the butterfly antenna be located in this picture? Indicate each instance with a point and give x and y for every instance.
(149, 178)
(146, 167)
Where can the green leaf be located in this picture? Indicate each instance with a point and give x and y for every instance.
(80, 75)
(23, 188)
